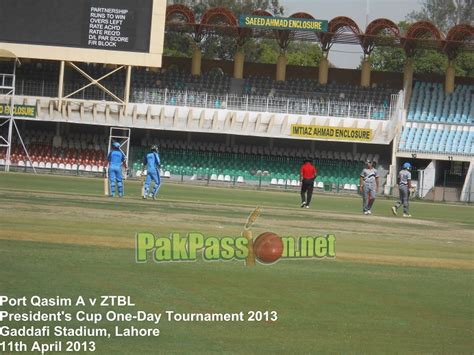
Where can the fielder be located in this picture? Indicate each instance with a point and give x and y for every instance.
(404, 188)
(116, 160)
(369, 184)
(152, 163)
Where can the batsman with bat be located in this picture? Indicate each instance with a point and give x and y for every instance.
(115, 160)
(152, 164)
(369, 184)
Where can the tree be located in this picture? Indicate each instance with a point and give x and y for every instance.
(177, 45)
(265, 51)
(238, 7)
(464, 64)
(223, 47)
(387, 59)
(304, 54)
(298, 53)
(425, 61)
(444, 14)
(217, 47)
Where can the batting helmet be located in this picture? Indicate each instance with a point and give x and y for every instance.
(154, 148)
(406, 166)
(116, 144)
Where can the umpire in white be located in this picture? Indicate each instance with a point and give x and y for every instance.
(369, 184)
(404, 188)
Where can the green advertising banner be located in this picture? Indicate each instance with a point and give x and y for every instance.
(27, 111)
(283, 23)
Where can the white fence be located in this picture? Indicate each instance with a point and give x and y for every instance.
(302, 106)
(310, 106)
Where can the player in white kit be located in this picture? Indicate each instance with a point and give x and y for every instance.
(369, 184)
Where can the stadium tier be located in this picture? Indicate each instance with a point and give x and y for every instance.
(439, 123)
(212, 82)
(253, 111)
(212, 90)
(76, 152)
(246, 163)
(85, 152)
(429, 103)
(310, 88)
(437, 138)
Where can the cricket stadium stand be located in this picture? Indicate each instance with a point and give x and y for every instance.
(230, 122)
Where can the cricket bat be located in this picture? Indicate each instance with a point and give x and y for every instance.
(106, 186)
(247, 234)
(142, 179)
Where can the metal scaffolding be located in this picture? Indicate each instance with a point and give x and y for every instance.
(98, 82)
(7, 116)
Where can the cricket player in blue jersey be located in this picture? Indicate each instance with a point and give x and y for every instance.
(152, 163)
(116, 160)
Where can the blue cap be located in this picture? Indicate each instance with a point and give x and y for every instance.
(116, 144)
(406, 166)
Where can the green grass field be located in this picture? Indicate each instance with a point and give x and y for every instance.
(396, 285)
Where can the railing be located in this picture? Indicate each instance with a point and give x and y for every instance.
(7, 81)
(450, 154)
(290, 105)
(320, 107)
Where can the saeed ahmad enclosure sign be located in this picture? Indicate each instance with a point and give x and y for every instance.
(283, 23)
(328, 132)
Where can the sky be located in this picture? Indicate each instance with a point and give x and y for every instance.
(348, 56)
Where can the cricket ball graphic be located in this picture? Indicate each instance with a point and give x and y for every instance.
(268, 247)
